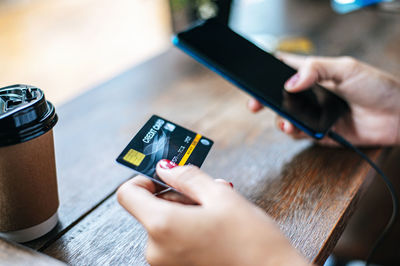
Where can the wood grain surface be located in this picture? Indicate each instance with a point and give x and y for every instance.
(13, 254)
(94, 128)
(309, 190)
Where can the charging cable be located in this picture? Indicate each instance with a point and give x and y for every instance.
(339, 139)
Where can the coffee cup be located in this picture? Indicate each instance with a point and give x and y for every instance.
(28, 182)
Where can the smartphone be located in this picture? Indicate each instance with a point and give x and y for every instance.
(261, 75)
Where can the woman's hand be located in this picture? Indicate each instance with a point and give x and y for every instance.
(223, 229)
(373, 96)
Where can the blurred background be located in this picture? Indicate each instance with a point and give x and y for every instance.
(68, 46)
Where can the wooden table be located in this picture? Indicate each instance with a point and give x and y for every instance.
(309, 190)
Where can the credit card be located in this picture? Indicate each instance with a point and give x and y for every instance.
(162, 139)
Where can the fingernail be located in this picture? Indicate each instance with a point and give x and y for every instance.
(292, 82)
(231, 184)
(285, 126)
(167, 164)
(282, 125)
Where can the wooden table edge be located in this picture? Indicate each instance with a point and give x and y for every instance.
(379, 155)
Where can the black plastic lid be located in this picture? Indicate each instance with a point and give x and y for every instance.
(24, 114)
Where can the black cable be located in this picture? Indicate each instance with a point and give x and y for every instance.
(339, 139)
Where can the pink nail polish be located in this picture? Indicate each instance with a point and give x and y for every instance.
(282, 125)
(167, 164)
(292, 81)
(285, 126)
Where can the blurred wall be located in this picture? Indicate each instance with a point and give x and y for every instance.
(68, 46)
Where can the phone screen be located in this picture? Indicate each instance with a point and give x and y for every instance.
(261, 75)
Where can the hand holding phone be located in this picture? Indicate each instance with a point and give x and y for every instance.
(261, 75)
(372, 94)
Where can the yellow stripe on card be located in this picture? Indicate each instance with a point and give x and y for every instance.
(134, 157)
(190, 150)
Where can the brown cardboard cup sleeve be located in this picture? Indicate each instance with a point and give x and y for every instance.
(28, 182)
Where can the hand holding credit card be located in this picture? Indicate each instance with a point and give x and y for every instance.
(161, 139)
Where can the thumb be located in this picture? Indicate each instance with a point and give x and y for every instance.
(318, 69)
(189, 180)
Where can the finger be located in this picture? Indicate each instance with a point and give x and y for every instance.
(224, 182)
(254, 105)
(300, 135)
(180, 198)
(280, 123)
(288, 128)
(136, 196)
(293, 60)
(158, 188)
(317, 69)
(177, 197)
(189, 180)
(145, 183)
